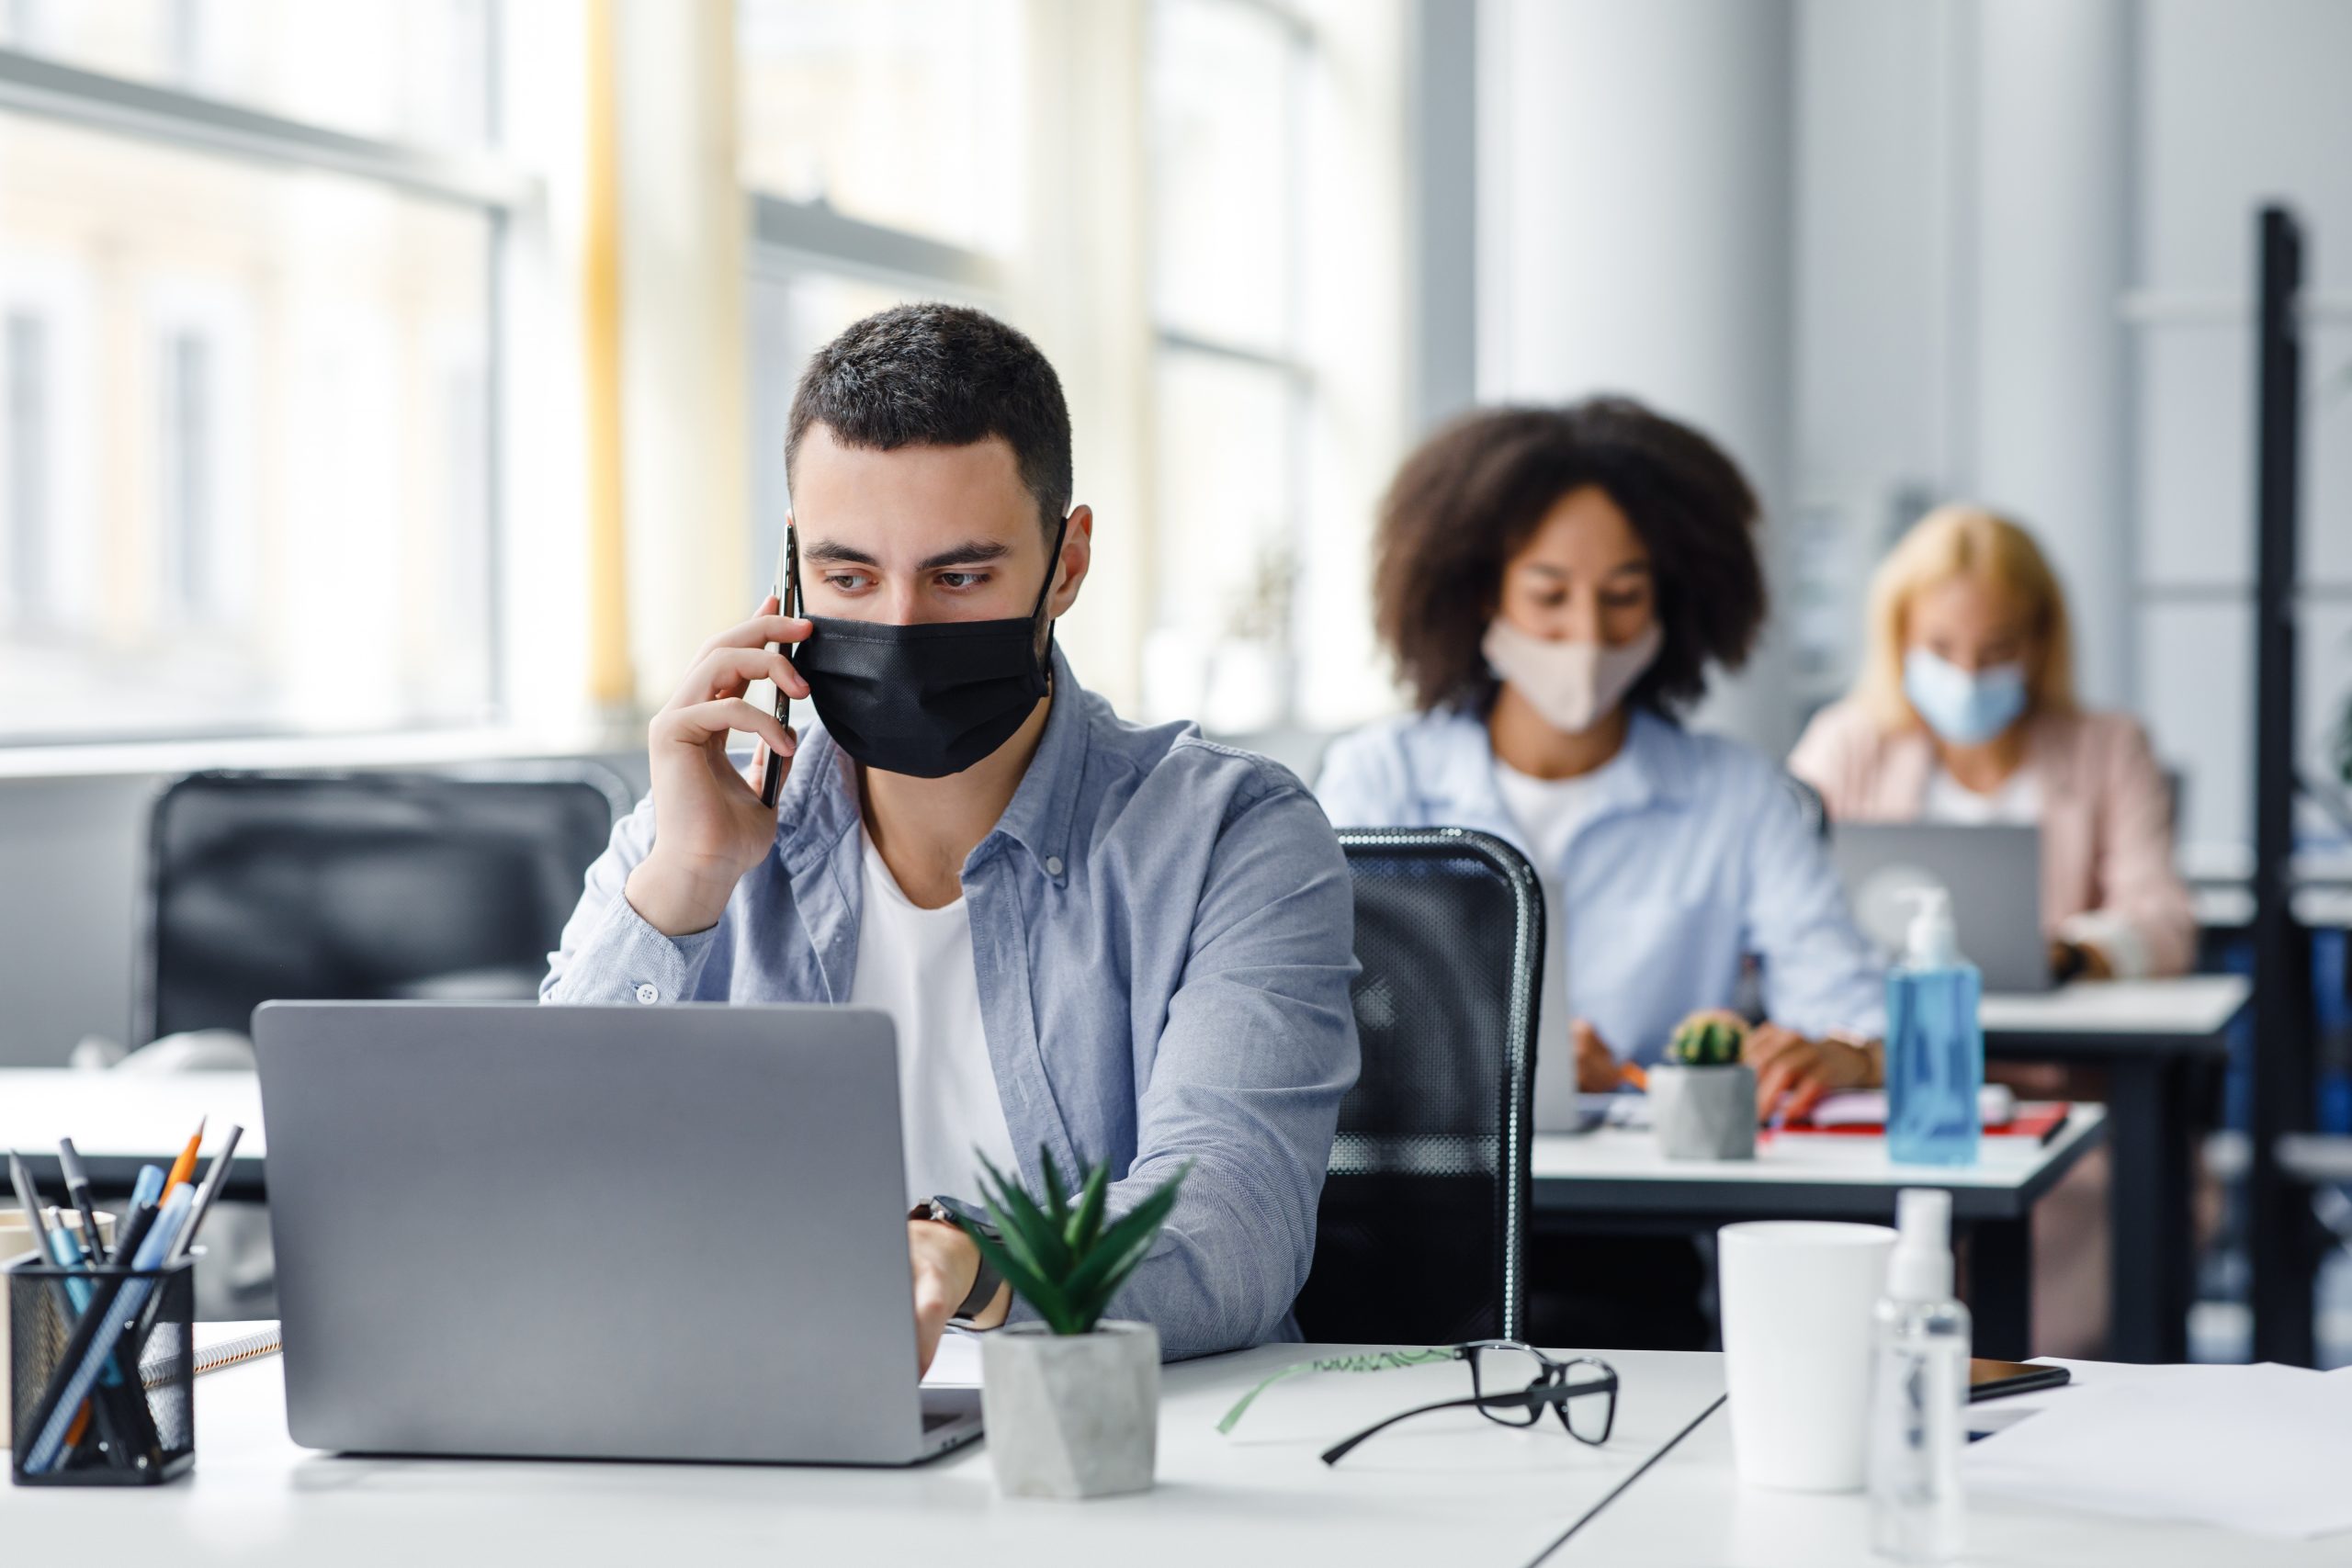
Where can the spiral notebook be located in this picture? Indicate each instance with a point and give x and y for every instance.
(218, 1345)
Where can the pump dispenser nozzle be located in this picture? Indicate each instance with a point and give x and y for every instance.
(1931, 940)
(1921, 1269)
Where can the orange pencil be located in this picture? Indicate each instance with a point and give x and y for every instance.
(184, 1167)
(1632, 1072)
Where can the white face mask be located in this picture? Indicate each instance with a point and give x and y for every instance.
(1574, 685)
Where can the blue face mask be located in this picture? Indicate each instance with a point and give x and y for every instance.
(1964, 709)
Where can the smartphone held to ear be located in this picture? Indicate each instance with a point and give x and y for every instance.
(787, 595)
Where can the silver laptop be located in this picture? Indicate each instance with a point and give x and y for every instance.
(1993, 873)
(673, 1233)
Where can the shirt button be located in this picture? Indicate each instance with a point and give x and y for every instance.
(1053, 865)
(646, 991)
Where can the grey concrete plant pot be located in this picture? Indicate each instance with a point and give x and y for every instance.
(1071, 1415)
(1703, 1112)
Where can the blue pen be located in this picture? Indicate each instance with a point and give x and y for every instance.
(148, 1186)
(67, 1254)
(154, 1248)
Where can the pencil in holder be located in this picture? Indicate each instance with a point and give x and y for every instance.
(102, 1374)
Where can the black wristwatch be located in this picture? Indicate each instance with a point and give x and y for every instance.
(985, 1284)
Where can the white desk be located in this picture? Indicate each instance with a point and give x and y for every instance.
(121, 1121)
(1843, 1173)
(2149, 1037)
(1451, 1488)
(1689, 1509)
(1617, 1174)
(2118, 1017)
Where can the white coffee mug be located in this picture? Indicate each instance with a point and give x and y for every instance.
(1796, 1298)
(17, 1241)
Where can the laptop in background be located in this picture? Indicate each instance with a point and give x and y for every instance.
(646, 1232)
(1993, 873)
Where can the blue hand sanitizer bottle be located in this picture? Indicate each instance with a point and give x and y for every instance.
(1935, 1047)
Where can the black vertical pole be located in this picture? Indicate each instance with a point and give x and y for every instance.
(2281, 1238)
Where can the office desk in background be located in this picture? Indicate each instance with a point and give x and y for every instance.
(1447, 1488)
(119, 1121)
(2149, 1037)
(1614, 1178)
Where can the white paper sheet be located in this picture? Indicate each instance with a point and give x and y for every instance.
(1996, 1106)
(2263, 1449)
(958, 1364)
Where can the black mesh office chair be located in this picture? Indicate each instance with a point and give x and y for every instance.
(361, 885)
(1810, 805)
(1422, 1229)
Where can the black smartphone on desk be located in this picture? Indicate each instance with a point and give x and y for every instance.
(787, 598)
(1991, 1380)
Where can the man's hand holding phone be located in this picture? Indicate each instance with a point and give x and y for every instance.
(709, 825)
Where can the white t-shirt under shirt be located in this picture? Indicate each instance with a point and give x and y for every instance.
(2016, 802)
(1549, 814)
(916, 964)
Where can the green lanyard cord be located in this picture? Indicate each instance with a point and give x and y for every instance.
(1377, 1361)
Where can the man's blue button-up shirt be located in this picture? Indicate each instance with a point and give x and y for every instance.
(1162, 931)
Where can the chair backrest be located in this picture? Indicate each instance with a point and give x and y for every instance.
(1810, 805)
(1422, 1229)
(361, 886)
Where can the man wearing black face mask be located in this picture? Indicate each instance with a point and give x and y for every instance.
(1121, 943)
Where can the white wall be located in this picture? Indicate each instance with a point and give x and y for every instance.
(1882, 417)
(2241, 101)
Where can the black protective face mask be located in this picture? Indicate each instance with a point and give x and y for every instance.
(929, 699)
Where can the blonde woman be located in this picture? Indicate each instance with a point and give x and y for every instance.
(1966, 712)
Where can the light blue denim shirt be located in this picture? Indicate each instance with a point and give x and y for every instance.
(1697, 858)
(1163, 934)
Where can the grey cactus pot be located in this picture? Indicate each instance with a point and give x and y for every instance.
(1071, 1415)
(1703, 1112)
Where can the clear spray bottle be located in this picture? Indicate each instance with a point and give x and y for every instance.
(1919, 1391)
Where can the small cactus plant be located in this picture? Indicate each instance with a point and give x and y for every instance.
(1712, 1039)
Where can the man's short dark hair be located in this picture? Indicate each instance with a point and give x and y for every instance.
(1471, 497)
(937, 375)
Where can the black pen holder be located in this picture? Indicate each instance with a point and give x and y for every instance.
(101, 1374)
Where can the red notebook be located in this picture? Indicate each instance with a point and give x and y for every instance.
(2038, 1119)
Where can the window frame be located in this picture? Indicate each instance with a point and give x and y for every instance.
(504, 195)
(1304, 55)
(787, 241)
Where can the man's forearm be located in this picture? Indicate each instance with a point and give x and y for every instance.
(679, 899)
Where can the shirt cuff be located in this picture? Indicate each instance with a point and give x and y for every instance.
(2118, 938)
(627, 961)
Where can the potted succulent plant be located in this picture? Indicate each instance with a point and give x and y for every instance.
(1071, 1402)
(1703, 1097)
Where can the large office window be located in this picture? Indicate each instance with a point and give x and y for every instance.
(1214, 334)
(880, 144)
(246, 254)
(1233, 393)
(903, 114)
(411, 70)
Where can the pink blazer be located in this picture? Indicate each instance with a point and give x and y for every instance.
(2105, 814)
